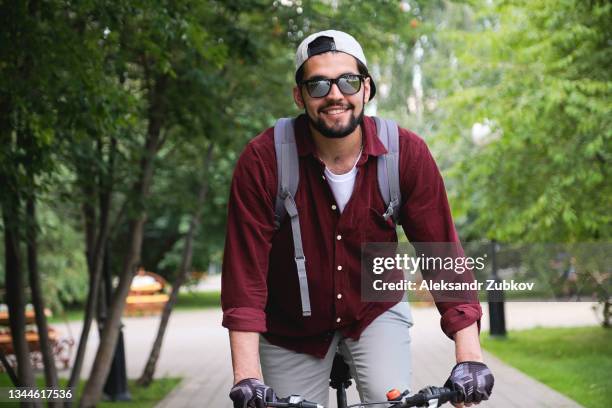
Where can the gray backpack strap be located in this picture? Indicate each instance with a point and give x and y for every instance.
(388, 167)
(287, 162)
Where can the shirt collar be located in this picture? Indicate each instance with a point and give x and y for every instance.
(372, 146)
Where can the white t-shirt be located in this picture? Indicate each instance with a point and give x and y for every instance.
(342, 184)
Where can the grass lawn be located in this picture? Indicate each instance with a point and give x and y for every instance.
(575, 361)
(141, 397)
(198, 300)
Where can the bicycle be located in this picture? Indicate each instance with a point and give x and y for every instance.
(340, 380)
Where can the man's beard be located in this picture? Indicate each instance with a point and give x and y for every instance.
(332, 133)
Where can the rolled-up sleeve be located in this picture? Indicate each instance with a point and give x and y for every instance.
(459, 316)
(426, 217)
(250, 228)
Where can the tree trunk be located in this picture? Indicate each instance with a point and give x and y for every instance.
(9, 204)
(15, 297)
(89, 218)
(149, 370)
(92, 302)
(95, 249)
(11, 207)
(108, 340)
(94, 285)
(110, 332)
(38, 300)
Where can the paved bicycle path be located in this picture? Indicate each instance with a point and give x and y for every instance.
(196, 348)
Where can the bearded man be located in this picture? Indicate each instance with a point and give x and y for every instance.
(279, 347)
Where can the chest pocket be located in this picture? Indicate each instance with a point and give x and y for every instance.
(378, 229)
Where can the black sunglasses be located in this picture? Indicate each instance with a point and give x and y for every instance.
(349, 84)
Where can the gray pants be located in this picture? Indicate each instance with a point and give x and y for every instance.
(379, 360)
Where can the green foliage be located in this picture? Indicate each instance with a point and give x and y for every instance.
(62, 262)
(537, 75)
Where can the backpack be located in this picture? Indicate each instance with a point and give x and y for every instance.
(287, 162)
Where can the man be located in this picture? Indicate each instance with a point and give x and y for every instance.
(340, 207)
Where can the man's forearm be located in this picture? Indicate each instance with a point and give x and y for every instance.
(467, 344)
(245, 355)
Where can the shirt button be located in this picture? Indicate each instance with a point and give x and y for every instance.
(338, 320)
(339, 267)
(339, 296)
(339, 237)
(333, 207)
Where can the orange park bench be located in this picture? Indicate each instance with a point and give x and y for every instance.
(61, 347)
(147, 296)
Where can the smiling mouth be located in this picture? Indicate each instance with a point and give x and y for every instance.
(335, 110)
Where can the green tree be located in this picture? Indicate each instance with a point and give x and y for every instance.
(524, 122)
(535, 76)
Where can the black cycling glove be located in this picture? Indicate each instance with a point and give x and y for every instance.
(251, 393)
(473, 380)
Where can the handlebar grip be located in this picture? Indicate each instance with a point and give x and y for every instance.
(414, 401)
(421, 398)
(442, 394)
(307, 404)
(446, 394)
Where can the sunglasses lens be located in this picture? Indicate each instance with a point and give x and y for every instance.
(349, 84)
(318, 89)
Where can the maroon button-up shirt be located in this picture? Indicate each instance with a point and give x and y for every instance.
(260, 290)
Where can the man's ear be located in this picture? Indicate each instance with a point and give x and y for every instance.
(297, 97)
(366, 89)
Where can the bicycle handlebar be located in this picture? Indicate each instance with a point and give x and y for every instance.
(423, 398)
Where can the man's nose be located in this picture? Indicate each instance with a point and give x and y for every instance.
(335, 92)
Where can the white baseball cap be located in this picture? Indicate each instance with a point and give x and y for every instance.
(337, 41)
